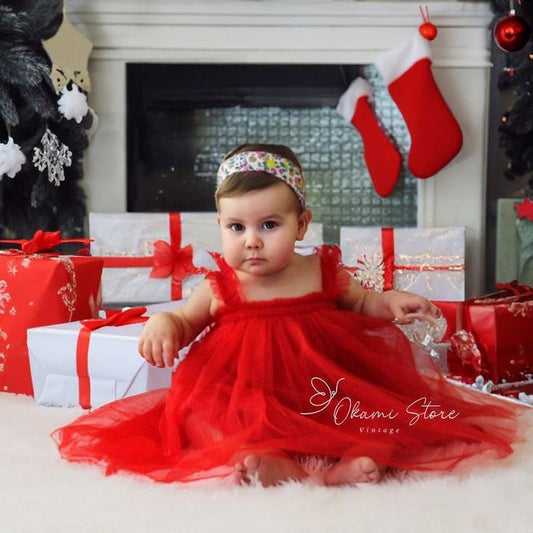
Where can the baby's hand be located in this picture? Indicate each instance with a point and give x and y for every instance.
(406, 307)
(161, 339)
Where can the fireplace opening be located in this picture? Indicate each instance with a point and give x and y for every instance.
(182, 119)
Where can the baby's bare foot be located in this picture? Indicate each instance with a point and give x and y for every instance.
(268, 470)
(354, 470)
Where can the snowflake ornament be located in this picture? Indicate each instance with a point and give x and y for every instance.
(370, 271)
(54, 156)
(73, 103)
(11, 158)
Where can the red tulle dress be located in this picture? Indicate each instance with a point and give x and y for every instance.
(302, 377)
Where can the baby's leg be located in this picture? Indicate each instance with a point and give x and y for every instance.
(268, 469)
(354, 470)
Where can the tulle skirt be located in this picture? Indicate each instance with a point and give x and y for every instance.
(301, 378)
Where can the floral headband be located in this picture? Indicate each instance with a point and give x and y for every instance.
(273, 164)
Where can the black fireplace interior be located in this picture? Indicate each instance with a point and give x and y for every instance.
(173, 146)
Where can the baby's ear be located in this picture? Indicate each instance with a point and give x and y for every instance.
(303, 223)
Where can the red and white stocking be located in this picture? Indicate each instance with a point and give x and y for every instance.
(436, 137)
(381, 156)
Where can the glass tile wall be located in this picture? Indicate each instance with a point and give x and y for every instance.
(340, 192)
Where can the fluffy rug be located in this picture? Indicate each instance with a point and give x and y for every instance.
(40, 492)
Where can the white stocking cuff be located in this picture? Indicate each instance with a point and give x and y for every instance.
(394, 62)
(348, 101)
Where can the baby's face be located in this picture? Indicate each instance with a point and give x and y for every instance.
(259, 229)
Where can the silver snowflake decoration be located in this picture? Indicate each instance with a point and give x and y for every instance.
(54, 156)
(370, 271)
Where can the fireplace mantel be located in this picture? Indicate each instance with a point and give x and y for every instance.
(295, 31)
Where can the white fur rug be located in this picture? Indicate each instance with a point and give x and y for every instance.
(41, 493)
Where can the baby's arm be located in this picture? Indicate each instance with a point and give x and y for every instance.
(165, 333)
(389, 305)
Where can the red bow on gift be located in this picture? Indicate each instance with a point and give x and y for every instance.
(175, 262)
(133, 315)
(43, 240)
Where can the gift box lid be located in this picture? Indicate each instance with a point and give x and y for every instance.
(54, 347)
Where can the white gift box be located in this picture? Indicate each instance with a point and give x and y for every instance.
(425, 261)
(115, 368)
(130, 237)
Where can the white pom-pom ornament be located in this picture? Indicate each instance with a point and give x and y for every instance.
(11, 158)
(73, 103)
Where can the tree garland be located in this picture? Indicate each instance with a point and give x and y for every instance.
(45, 191)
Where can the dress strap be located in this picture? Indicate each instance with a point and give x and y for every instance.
(335, 279)
(224, 282)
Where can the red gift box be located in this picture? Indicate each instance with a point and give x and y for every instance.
(38, 290)
(494, 335)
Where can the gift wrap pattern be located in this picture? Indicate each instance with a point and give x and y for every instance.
(90, 363)
(156, 257)
(425, 261)
(35, 290)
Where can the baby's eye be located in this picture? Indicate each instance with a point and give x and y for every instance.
(269, 224)
(236, 227)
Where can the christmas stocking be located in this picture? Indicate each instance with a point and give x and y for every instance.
(381, 156)
(435, 134)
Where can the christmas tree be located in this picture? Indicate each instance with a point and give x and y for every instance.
(41, 142)
(516, 82)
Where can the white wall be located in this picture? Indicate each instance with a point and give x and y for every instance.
(325, 31)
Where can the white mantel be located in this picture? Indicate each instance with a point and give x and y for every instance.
(297, 31)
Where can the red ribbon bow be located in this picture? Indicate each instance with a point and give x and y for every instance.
(175, 262)
(133, 315)
(43, 240)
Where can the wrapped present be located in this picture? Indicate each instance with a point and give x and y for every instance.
(495, 337)
(48, 241)
(428, 262)
(514, 241)
(35, 290)
(93, 362)
(156, 257)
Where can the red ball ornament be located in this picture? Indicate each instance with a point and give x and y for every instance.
(428, 31)
(511, 33)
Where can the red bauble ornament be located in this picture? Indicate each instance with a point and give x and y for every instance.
(511, 33)
(427, 30)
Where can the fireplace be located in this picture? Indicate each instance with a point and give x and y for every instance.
(328, 33)
(183, 118)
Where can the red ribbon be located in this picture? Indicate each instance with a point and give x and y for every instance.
(43, 240)
(169, 259)
(133, 315)
(387, 245)
(515, 288)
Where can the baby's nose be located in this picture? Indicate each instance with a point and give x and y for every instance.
(253, 240)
